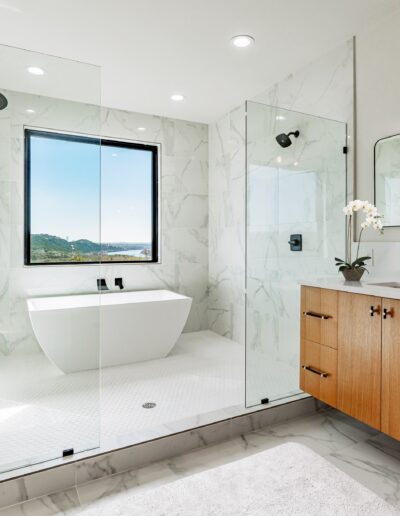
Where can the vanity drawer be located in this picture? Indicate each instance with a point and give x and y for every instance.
(319, 309)
(318, 371)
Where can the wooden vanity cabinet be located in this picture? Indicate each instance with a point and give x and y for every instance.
(359, 357)
(390, 422)
(318, 353)
(350, 354)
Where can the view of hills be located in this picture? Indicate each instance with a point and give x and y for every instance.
(49, 249)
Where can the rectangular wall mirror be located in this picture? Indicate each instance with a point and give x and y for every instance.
(387, 179)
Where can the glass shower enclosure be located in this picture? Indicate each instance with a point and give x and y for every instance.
(42, 417)
(295, 195)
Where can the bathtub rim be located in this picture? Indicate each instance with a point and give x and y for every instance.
(103, 299)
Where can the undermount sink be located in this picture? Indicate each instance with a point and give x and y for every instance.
(391, 284)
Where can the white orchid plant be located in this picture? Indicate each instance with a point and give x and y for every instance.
(372, 220)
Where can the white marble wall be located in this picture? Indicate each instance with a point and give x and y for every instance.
(324, 89)
(378, 106)
(300, 189)
(384, 263)
(227, 191)
(184, 212)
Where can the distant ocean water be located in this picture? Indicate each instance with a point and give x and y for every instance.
(132, 252)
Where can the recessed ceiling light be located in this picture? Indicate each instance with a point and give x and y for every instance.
(279, 159)
(141, 129)
(177, 97)
(30, 111)
(243, 40)
(35, 70)
(295, 163)
(114, 155)
(280, 117)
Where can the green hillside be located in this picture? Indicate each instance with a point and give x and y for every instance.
(50, 248)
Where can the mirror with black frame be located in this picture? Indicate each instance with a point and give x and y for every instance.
(387, 179)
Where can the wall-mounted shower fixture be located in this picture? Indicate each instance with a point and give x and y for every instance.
(3, 102)
(296, 242)
(284, 139)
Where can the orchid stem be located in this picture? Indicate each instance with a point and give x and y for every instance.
(349, 241)
(359, 241)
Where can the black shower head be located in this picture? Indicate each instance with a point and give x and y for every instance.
(3, 102)
(284, 139)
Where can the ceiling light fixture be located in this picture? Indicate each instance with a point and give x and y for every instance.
(141, 129)
(280, 117)
(243, 40)
(35, 70)
(177, 97)
(30, 111)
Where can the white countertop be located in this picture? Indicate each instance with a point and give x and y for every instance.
(365, 286)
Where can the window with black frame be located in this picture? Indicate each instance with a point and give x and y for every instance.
(89, 200)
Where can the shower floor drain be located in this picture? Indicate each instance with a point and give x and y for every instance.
(149, 404)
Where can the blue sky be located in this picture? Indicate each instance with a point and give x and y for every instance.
(65, 191)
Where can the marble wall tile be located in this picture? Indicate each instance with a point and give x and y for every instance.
(226, 225)
(184, 212)
(284, 194)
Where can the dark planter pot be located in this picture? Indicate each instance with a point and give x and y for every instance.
(353, 274)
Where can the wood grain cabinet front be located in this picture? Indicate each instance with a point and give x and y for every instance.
(391, 367)
(359, 357)
(319, 315)
(350, 354)
(318, 371)
(318, 354)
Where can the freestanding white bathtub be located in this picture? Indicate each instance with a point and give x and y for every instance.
(80, 332)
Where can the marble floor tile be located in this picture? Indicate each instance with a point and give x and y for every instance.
(360, 451)
(138, 480)
(323, 432)
(373, 468)
(58, 503)
(386, 444)
(328, 432)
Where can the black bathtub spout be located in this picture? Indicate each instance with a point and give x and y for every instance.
(101, 284)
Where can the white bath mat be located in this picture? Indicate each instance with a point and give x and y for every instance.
(287, 480)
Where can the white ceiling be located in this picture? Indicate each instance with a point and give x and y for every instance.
(149, 49)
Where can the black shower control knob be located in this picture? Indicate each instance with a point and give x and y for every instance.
(296, 242)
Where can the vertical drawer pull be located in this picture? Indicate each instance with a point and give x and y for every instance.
(315, 314)
(315, 371)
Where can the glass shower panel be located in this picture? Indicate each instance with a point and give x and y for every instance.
(49, 210)
(299, 189)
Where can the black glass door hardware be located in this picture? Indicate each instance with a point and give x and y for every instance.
(296, 242)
